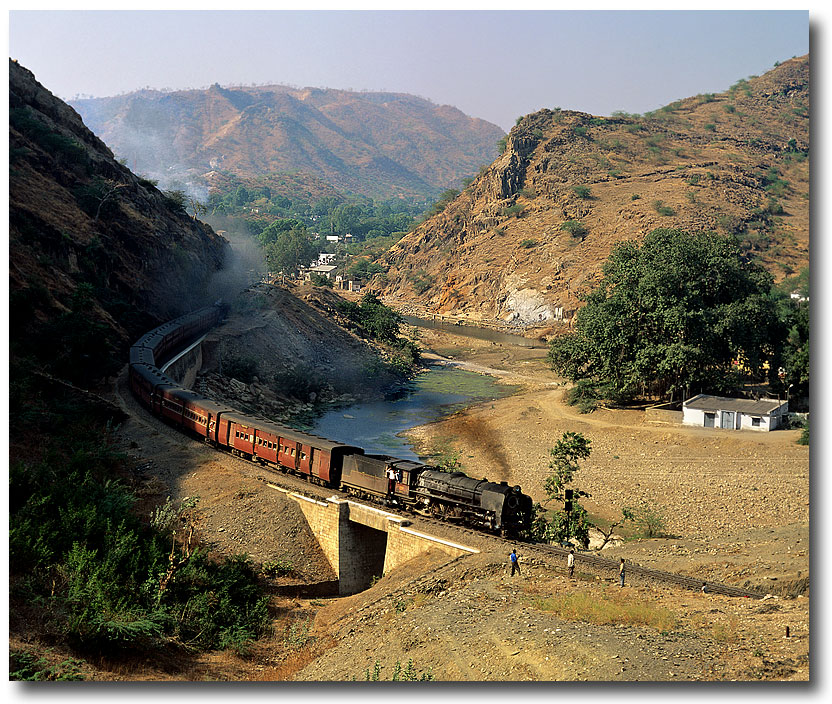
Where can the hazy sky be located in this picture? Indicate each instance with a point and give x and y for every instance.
(496, 65)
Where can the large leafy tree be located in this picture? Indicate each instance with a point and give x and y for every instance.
(671, 316)
(289, 249)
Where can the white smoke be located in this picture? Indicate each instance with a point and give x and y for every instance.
(245, 262)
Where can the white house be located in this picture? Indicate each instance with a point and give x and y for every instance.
(707, 411)
(325, 258)
(323, 270)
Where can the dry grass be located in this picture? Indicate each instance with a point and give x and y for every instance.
(606, 609)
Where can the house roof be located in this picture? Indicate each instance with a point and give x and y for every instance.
(323, 268)
(763, 406)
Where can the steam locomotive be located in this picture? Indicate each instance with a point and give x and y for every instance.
(411, 486)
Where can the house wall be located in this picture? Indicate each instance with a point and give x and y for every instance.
(693, 416)
(766, 422)
(742, 421)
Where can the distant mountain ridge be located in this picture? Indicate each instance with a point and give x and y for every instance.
(530, 234)
(374, 143)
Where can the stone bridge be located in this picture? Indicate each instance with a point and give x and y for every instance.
(362, 542)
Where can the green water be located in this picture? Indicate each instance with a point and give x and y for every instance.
(377, 426)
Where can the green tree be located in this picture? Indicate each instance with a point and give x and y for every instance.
(346, 218)
(671, 316)
(796, 352)
(289, 250)
(380, 322)
(571, 521)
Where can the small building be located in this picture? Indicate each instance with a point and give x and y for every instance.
(322, 270)
(706, 411)
(325, 258)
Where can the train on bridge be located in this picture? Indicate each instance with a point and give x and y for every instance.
(411, 486)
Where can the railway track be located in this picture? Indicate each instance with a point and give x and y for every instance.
(594, 562)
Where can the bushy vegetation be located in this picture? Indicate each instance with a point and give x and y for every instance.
(99, 576)
(421, 280)
(575, 228)
(25, 666)
(671, 316)
(378, 322)
(57, 145)
(241, 368)
(360, 216)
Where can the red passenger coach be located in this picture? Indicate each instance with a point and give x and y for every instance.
(237, 433)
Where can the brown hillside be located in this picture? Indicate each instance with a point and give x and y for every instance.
(734, 162)
(78, 217)
(377, 144)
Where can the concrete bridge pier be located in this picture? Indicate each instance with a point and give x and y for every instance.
(364, 542)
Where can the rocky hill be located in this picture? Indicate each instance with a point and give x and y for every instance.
(532, 231)
(90, 239)
(377, 144)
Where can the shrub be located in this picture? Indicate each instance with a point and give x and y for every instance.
(575, 228)
(174, 201)
(710, 127)
(528, 244)
(804, 436)
(662, 209)
(320, 280)
(408, 674)
(582, 191)
(513, 210)
(647, 518)
(27, 667)
(276, 568)
(241, 368)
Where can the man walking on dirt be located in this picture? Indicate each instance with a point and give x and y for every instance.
(621, 572)
(515, 565)
(570, 563)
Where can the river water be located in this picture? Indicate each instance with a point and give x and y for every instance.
(430, 396)
(503, 338)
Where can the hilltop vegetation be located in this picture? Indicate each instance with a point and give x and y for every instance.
(530, 234)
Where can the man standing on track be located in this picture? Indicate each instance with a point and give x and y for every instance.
(570, 563)
(515, 564)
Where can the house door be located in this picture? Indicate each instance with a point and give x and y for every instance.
(710, 418)
(728, 420)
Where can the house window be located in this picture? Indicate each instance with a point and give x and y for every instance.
(756, 422)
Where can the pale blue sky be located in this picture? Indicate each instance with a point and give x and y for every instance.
(496, 65)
